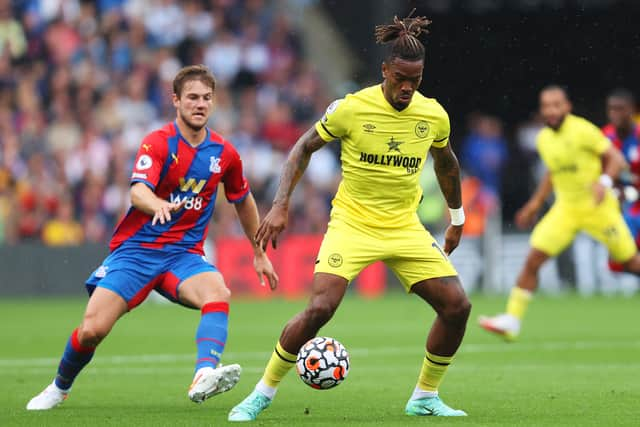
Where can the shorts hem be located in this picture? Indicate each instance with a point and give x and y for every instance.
(409, 288)
(115, 291)
(344, 276)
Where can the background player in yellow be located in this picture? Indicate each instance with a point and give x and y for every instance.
(386, 132)
(582, 165)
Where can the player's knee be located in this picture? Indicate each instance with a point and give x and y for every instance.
(219, 294)
(212, 294)
(319, 312)
(458, 311)
(91, 334)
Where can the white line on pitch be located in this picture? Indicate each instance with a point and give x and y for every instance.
(187, 371)
(361, 352)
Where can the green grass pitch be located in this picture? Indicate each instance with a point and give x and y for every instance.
(577, 363)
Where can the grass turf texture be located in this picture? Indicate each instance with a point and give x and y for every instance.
(576, 363)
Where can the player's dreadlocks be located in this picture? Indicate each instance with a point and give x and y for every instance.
(403, 36)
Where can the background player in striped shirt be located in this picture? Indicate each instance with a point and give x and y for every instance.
(624, 133)
(159, 243)
(386, 132)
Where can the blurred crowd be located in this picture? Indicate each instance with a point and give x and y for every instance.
(81, 83)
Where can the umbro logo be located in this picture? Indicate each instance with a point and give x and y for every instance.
(369, 127)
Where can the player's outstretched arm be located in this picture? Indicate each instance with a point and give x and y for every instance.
(526, 216)
(447, 168)
(276, 220)
(144, 199)
(249, 218)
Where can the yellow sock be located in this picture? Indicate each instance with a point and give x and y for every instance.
(280, 363)
(518, 302)
(433, 369)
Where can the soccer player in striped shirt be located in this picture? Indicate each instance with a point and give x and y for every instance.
(159, 242)
(624, 133)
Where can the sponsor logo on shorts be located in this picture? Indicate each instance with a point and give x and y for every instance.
(335, 260)
(101, 271)
(422, 129)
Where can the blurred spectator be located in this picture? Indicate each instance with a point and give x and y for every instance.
(280, 128)
(62, 230)
(484, 151)
(165, 24)
(478, 205)
(198, 22)
(13, 42)
(64, 133)
(526, 136)
(224, 57)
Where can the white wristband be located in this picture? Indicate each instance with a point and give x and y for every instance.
(606, 180)
(457, 216)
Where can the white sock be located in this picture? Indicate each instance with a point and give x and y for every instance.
(419, 393)
(266, 390)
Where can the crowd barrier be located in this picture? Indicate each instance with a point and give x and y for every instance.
(35, 270)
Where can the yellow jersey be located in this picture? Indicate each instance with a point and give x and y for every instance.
(383, 152)
(572, 156)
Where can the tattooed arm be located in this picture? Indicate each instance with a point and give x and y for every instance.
(276, 220)
(447, 168)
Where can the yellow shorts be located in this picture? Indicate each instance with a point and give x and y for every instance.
(410, 252)
(557, 229)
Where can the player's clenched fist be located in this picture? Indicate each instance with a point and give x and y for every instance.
(526, 216)
(599, 191)
(271, 226)
(452, 238)
(162, 214)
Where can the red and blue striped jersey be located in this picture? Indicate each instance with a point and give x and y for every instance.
(630, 148)
(177, 171)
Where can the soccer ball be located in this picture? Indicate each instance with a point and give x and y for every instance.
(322, 363)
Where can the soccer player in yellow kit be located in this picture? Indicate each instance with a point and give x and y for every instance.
(582, 165)
(386, 132)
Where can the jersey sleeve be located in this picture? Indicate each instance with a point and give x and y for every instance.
(150, 160)
(442, 129)
(236, 186)
(336, 120)
(594, 140)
